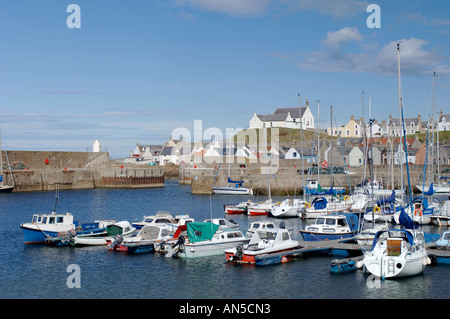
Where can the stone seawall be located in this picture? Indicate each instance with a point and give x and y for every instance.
(42, 171)
(45, 180)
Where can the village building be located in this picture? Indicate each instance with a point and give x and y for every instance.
(351, 129)
(413, 125)
(444, 122)
(290, 117)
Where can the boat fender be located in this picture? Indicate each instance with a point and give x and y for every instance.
(360, 264)
(433, 260)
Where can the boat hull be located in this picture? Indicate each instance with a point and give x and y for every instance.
(209, 249)
(232, 190)
(35, 235)
(32, 236)
(6, 189)
(258, 212)
(402, 267)
(314, 236)
(251, 257)
(441, 220)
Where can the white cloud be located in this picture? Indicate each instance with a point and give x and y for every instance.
(416, 58)
(343, 35)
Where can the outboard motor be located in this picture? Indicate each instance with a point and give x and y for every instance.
(70, 234)
(282, 225)
(117, 240)
(239, 254)
(232, 221)
(180, 242)
(173, 249)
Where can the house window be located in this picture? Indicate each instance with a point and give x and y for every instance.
(356, 132)
(348, 132)
(294, 154)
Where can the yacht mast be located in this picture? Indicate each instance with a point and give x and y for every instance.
(400, 147)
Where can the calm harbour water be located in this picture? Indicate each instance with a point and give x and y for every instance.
(38, 271)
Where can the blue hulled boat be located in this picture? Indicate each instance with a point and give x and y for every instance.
(331, 227)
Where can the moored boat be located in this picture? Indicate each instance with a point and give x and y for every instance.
(240, 208)
(320, 206)
(122, 228)
(54, 226)
(260, 209)
(205, 239)
(265, 225)
(263, 242)
(331, 227)
(288, 208)
(396, 253)
(160, 219)
(224, 224)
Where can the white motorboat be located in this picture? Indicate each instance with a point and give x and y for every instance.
(145, 240)
(321, 206)
(373, 187)
(442, 218)
(122, 228)
(359, 202)
(397, 253)
(224, 224)
(260, 209)
(205, 239)
(240, 208)
(265, 242)
(288, 208)
(233, 190)
(177, 221)
(265, 225)
(160, 219)
(365, 236)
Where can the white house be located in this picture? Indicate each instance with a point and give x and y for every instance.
(285, 117)
(444, 122)
(355, 157)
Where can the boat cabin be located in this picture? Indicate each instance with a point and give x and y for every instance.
(331, 224)
(268, 238)
(223, 223)
(53, 218)
(261, 225)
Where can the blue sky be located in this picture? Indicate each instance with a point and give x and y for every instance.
(136, 70)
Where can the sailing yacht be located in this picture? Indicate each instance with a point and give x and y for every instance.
(398, 252)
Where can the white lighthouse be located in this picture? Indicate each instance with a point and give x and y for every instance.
(96, 147)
